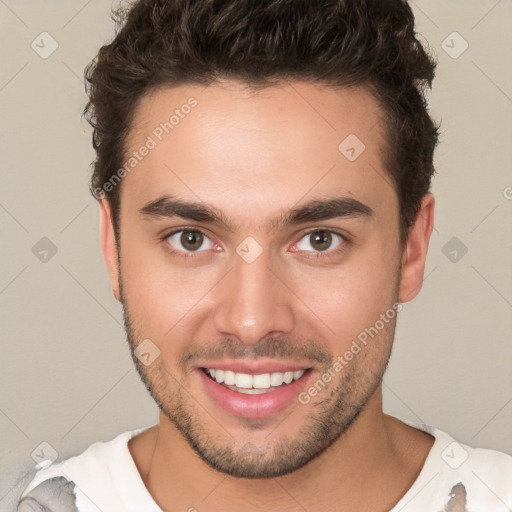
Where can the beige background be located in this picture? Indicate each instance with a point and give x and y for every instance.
(66, 375)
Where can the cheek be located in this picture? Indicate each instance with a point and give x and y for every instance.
(352, 296)
(163, 296)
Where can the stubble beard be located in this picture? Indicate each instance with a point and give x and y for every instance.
(332, 412)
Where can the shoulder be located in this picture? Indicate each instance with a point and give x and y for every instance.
(472, 463)
(60, 486)
(489, 471)
(455, 475)
(52, 495)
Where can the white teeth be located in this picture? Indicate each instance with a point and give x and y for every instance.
(288, 377)
(229, 378)
(276, 379)
(251, 384)
(242, 380)
(250, 391)
(261, 381)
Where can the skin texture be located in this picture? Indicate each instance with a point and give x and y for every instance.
(254, 156)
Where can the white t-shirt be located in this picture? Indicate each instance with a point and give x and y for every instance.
(104, 478)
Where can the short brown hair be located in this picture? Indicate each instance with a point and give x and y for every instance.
(371, 43)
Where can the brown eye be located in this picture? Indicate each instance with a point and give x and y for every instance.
(188, 240)
(191, 240)
(319, 240)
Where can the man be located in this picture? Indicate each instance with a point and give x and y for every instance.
(263, 173)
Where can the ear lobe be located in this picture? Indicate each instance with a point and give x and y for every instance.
(415, 251)
(108, 246)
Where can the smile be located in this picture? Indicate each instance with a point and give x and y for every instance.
(253, 384)
(258, 394)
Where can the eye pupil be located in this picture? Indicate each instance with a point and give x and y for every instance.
(321, 240)
(191, 240)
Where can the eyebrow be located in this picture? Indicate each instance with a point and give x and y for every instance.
(316, 210)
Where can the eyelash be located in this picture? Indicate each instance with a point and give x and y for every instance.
(181, 254)
(318, 254)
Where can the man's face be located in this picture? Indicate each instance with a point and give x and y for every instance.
(258, 294)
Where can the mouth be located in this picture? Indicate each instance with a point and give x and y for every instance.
(248, 384)
(258, 394)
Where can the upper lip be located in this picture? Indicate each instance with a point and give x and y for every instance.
(254, 367)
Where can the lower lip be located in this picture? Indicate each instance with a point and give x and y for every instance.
(253, 406)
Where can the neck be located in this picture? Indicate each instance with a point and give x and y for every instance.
(376, 452)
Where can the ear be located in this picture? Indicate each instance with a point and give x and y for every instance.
(415, 251)
(108, 245)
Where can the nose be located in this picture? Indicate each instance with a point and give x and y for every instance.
(252, 302)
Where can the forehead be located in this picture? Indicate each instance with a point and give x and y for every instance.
(237, 148)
